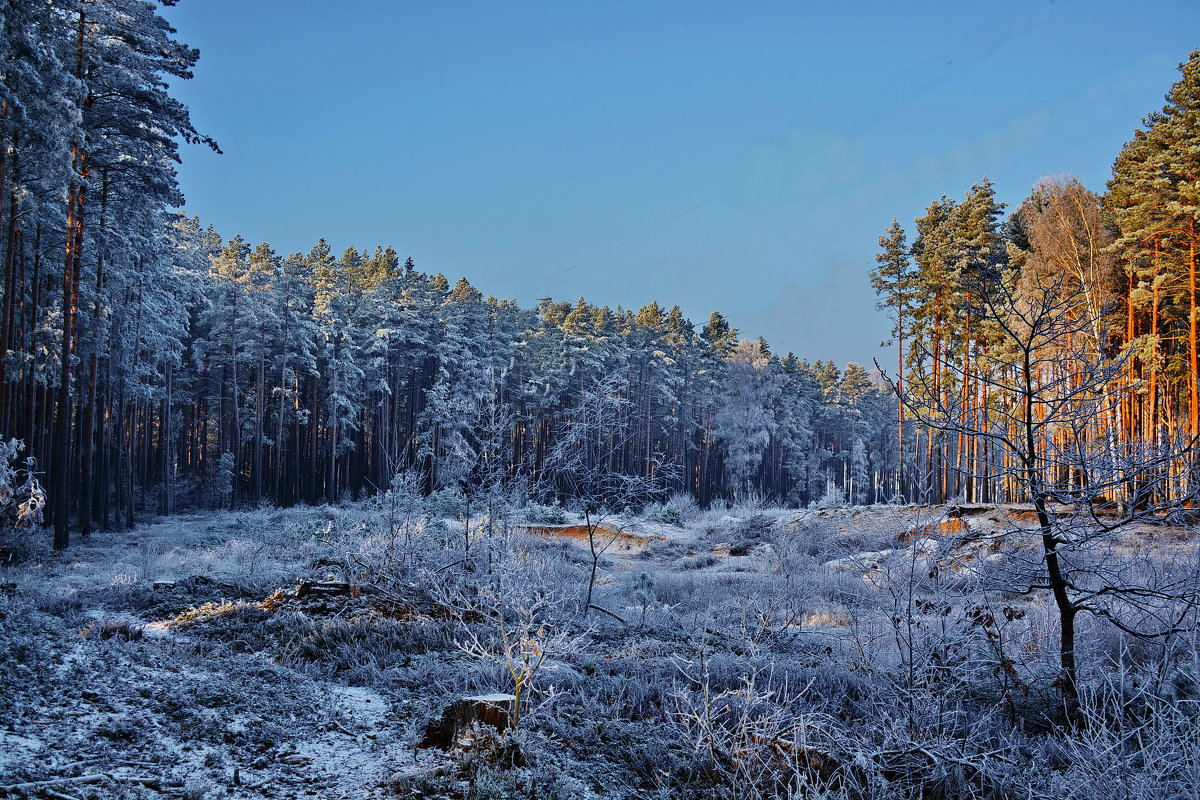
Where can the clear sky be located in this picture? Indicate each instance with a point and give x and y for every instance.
(739, 156)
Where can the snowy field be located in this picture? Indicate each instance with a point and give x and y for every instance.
(746, 651)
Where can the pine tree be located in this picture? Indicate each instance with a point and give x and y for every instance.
(719, 335)
(746, 417)
(1155, 203)
(893, 284)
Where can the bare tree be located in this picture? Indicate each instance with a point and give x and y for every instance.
(494, 486)
(586, 464)
(1052, 396)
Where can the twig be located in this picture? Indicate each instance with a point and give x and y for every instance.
(606, 611)
(387, 593)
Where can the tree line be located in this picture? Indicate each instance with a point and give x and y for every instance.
(307, 377)
(148, 365)
(1121, 268)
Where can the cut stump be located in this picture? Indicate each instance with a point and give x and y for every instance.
(467, 713)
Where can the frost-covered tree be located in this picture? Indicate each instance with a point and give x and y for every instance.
(893, 283)
(745, 420)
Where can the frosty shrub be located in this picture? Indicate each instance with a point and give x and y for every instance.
(21, 495)
(834, 497)
(747, 739)
(686, 504)
(674, 589)
(797, 546)
(750, 533)
(553, 514)
(699, 561)
(543, 780)
(446, 503)
(402, 505)
(525, 629)
(666, 514)
(118, 629)
(749, 503)
(361, 651)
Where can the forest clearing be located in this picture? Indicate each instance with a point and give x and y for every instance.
(845, 652)
(288, 516)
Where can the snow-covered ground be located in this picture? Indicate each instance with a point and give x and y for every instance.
(192, 657)
(110, 692)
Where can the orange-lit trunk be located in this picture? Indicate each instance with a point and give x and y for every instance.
(935, 484)
(961, 478)
(900, 478)
(1152, 410)
(72, 263)
(1194, 372)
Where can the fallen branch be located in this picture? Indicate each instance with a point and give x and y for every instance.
(87, 762)
(59, 795)
(325, 588)
(97, 777)
(606, 611)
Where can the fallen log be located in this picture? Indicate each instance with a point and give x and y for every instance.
(58, 795)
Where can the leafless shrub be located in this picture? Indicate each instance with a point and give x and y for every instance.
(750, 532)
(750, 503)
(699, 561)
(524, 629)
(683, 502)
(58, 602)
(1133, 744)
(753, 739)
(124, 630)
(675, 589)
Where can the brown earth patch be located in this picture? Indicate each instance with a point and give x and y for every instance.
(622, 542)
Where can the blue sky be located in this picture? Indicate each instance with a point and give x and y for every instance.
(735, 156)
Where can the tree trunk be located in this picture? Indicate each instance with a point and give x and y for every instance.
(70, 305)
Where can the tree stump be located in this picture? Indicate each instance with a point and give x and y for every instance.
(467, 713)
(324, 588)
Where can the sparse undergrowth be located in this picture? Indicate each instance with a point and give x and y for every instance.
(751, 653)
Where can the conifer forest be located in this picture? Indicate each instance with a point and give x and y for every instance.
(356, 529)
(151, 366)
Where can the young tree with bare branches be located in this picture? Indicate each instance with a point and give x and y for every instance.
(1052, 396)
(585, 465)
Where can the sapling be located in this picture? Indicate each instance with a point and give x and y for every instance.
(643, 595)
(583, 466)
(524, 629)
